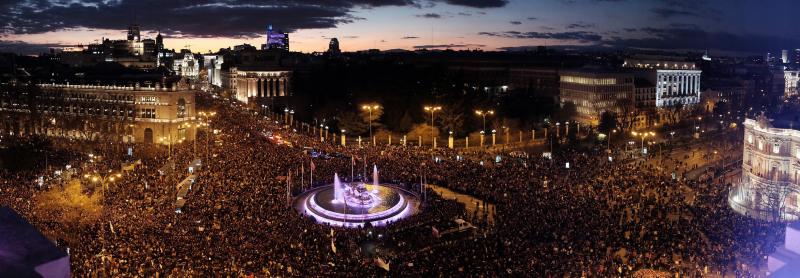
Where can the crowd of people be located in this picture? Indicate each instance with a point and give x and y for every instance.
(594, 218)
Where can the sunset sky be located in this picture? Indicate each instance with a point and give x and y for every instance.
(31, 26)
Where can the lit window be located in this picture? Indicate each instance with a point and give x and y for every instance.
(776, 148)
(760, 146)
(798, 153)
(750, 138)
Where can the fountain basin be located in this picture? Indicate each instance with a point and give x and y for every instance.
(362, 203)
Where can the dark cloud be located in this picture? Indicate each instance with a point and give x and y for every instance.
(533, 18)
(580, 25)
(630, 29)
(464, 14)
(694, 38)
(686, 8)
(435, 46)
(429, 15)
(409, 37)
(478, 3)
(515, 22)
(581, 36)
(201, 18)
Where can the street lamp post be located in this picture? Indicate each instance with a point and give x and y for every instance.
(643, 135)
(483, 115)
(432, 109)
(370, 107)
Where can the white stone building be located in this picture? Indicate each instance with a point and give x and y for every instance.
(770, 180)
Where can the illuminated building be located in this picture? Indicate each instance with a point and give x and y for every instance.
(791, 78)
(676, 82)
(785, 56)
(213, 65)
(255, 83)
(594, 91)
(117, 113)
(276, 40)
(186, 64)
(770, 180)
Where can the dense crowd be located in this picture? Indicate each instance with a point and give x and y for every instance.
(593, 219)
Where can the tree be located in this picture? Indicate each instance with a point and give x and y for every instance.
(566, 112)
(608, 121)
(352, 123)
(627, 110)
(452, 121)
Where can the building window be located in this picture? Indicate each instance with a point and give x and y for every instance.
(776, 148)
(760, 145)
(181, 108)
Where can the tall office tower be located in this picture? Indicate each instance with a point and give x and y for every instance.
(785, 56)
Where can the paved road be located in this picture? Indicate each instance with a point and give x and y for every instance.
(474, 206)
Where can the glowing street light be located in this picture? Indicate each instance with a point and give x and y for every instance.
(432, 109)
(370, 108)
(643, 135)
(483, 115)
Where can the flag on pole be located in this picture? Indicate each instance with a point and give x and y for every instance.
(333, 246)
(313, 167)
(435, 232)
(353, 160)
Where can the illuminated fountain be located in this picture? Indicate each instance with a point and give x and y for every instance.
(353, 204)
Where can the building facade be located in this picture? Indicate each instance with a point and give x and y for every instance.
(770, 181)
(213, 67)
(594, 92)
(791, 78)
(676, 82)
(185, 64)
(251, 85)
(116, 113)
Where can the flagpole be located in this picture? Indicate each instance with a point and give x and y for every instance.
(311, 179)
(302, 176)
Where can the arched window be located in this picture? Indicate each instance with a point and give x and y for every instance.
(181, 108)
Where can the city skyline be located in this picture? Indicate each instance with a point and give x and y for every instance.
(31, 27)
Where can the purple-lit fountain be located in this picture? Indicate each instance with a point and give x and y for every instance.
(357, 203)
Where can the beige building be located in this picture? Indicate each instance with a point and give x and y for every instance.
(770, 181)
(119, 113)
(250, 84)
(595, 91)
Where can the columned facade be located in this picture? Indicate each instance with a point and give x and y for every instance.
(253, 85)
(677, 87)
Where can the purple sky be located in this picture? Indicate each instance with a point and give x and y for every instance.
(30, 26)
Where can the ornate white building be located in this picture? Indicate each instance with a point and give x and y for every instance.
(676, 82)
(185, 64)
(770, 180)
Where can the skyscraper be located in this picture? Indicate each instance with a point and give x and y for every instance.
(785, 56)
(159, 42)
(276, 40)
